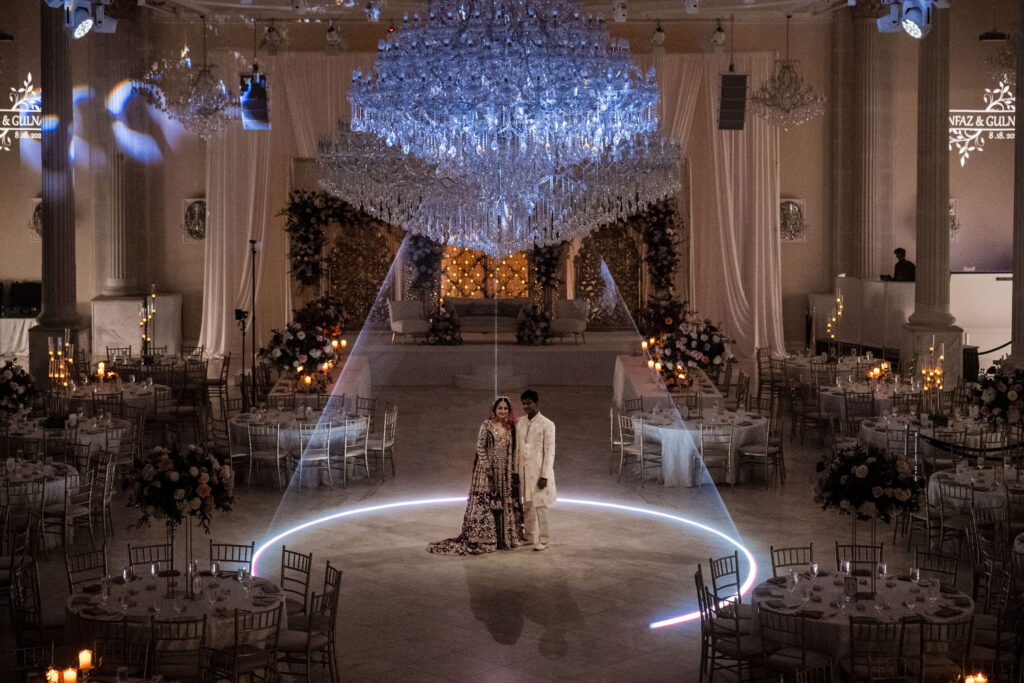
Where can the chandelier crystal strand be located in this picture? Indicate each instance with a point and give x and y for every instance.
(785, 100)
(424, 199)
(191, 95)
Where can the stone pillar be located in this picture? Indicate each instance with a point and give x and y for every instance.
(123, 265)
(59, 300)
(1016, 358)
(931, 318)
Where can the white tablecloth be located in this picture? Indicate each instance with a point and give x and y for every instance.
(680, 444)
(14, 337)
(833, 402)
(18, 471)
(145, 594)
(633, 379)
(829, 616)
(987, 492)
(91, 432)
(135, 394)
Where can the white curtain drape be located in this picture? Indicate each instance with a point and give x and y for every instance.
(737, 260)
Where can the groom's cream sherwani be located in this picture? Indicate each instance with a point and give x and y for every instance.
(535, 459)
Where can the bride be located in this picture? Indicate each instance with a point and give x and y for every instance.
(494, 513)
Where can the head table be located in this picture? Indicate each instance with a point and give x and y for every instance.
(145, 598)
(680, 442)
(633, 379)
(822, 601)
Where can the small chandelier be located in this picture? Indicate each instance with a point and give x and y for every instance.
(785, 100)
(191, 95)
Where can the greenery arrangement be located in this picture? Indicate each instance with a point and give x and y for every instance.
(682, 340)
(326, 313)
(425, 258)
(658, 226)
(444, 328)
(17, 388)
(533, 326)
(998, 397)
(173, 484)
(868, 483)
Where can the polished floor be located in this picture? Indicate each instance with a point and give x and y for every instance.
(580, 610)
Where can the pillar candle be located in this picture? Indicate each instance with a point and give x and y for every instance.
(70, 676)
(52, 675)
(85, 659)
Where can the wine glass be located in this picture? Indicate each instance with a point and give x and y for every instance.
(814, 571)
(179, 605)
(152, 571)
(846, 567)
(915, 575)
(210, 594)
(123, 600)
(213, 569)
(882, 570)
(105, 589)
(239, 575)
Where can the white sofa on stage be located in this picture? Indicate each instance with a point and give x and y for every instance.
(487, 315)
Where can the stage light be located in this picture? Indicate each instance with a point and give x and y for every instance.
(334, 43)
(620, 11)
(692, 6)
(78, 17)
(103, 24)
(254, 100)
(917, 18)
(890, 23)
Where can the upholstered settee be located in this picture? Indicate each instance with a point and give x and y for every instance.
(487, 315)
(570, 318)
(407, 318)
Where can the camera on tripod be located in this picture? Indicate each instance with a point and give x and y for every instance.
(241, 314)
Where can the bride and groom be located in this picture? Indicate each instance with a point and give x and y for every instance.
(512, 485)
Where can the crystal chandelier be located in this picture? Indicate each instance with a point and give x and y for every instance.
(785, 100)
(425, 199)
(191, 95)
(530, 103)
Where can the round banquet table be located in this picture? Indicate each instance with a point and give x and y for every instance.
(833, 402)
(872, 433)
(17, 471)
(829, 615)
(135, 394)
(146, 596)
(91, 432)
(680, 443)
(987, 491)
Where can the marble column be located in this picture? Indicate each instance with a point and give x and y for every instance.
(59, 299)
(931, 319)
(123, 265)
(1016, 358)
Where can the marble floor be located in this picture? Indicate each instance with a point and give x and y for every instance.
(579, 611)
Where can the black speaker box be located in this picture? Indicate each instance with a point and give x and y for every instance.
(733, 106)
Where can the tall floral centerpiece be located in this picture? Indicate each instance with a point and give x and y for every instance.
(868, 484)
(304, 352)
(679, 339)
(998, 397)
(175, 485)
(17, 388)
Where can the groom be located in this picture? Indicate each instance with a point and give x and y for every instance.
(535, 446)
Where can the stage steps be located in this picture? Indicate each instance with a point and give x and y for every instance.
(482, 377)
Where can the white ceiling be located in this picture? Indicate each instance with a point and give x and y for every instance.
(393, 10)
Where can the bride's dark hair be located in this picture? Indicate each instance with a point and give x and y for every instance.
(510, 421)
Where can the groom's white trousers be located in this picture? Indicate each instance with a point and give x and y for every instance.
(535, 523)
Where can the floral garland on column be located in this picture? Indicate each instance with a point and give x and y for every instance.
(657, 225)
(425, 259)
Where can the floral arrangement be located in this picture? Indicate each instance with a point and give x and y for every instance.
(299, 349)
(661, 315)
(657, 224)
(545, 271)
(868, 483)
(425, 258)
(533, 326)
(998, 397)
(326, 313)
(444, 328)
(17, 388)
(171, 483)
(689, 342)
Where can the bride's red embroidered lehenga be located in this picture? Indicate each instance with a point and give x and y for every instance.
(494, 513)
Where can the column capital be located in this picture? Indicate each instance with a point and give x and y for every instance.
(869, 9)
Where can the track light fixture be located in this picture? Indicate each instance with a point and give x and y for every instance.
(78, 17)
(912, 16)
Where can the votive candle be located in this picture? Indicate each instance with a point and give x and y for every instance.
(52, 675)
(643, 345)
(70, 676)
(650, 364)
(85, 660)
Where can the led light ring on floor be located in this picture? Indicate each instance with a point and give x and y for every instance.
(690, 616)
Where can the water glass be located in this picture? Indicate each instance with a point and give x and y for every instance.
(846, 567)
(179, 605)
(210, 593)
(239, 575)
(213, 569)
(124, 574)
(915, 575)
(814, 570)
(105, 589)
(123, 600)
(152, 571)
(882, 570)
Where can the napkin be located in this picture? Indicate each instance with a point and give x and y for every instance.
(745, 423)
(947, 612)
(168, 573)
(811, 613)
(269, 588)
(777, 581)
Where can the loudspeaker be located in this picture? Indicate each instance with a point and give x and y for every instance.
(733, 106)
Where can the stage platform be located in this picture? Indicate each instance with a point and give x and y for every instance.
(473, 363)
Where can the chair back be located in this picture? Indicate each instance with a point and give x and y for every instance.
(896, 441)
(357, 433)
(232, 556)
(295, 572)
(945, 643)
(115, 352)
(870, 639)
(315, 441)
(102, 632)
(176, 644)
(742, 390)
(405, 310)
(859, 404)
(715, 440)
(265, 439)
(85, 568)
(797, 556)
(905, 403)
(633, 405)
(725, 578)
(862, 558)
(282, 402)
(781, 630)
(332, 580)
(258, 629)
(160, 554)
(936, 566)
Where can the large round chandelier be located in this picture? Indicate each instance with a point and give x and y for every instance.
(426, 200)
(532, 105)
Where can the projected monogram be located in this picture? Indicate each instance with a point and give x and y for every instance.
(969, 128)
(24, 117)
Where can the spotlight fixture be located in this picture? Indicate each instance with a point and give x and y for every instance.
(78, 17)
(718, 39)
(372, 12)
(620, 11)
(5, 37)
(917, 18)
(272, 40)
(255, 103)
(692, 6)
(334, 42)
(103, 24)
(657, 41)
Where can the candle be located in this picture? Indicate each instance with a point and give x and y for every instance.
(933, 341)
(85, 660)
(943, 351)
(152, 290)
(657, 366)
(651, 341)
(334, 344)
(308, 379)
(650, 364)
(70, 676)
(643, 345)
(52, 675)
(101, 369)
(344, 343)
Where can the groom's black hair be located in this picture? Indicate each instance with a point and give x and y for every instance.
(530, 394)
